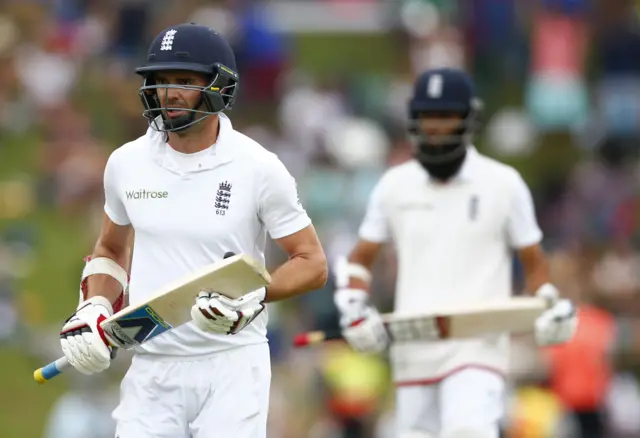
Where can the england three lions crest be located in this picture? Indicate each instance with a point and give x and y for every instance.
(223, 197)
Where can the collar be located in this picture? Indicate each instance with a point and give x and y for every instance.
(220, 153)
(468, 170)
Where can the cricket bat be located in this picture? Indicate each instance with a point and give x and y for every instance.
(515, 315)
(170, 307)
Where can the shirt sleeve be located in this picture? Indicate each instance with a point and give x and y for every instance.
(522, 226)
(113, 205)
(375, 226)
(279, 205)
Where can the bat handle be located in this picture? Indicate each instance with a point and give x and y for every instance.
(48, 372)
(316, 337)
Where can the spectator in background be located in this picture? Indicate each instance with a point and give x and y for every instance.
(580, 371)
(618, 88)
(73, 162)
(355, 388)
(131, 27)
(261, 53)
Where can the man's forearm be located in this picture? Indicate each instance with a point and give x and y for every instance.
(535, 266)
(103, 284)
(297, 276)
(537, 276)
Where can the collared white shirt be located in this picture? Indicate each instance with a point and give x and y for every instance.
(188, 210)
(454, 243)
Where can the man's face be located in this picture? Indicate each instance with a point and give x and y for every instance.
(440, 127)
(179, 97)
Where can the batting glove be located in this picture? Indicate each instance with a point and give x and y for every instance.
(216, 313)
(559, 323)
(83, 342)
(361, 323)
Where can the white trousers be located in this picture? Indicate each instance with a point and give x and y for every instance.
(222, 395)
(468, 403)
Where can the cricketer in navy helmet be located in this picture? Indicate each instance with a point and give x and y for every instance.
(188, 191)
(454, 216)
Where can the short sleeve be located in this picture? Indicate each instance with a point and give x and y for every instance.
(522, 226)
(279, 205)
(113, 205)
(375, 226)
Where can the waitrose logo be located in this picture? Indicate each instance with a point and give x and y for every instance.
(146, 194)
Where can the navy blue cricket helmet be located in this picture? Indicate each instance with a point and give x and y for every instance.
(194, 48)
(438, 93)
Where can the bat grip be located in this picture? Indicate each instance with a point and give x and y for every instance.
(316, 337)
(48, 372)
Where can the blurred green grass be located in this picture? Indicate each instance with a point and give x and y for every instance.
(54, 281)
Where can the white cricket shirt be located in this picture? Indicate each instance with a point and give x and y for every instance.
(454, 244)
(188, 210)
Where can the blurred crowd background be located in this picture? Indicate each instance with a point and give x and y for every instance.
(324, 84)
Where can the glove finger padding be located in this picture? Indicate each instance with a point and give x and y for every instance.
(549, 293)
(207, 318)
(74, 348)
(206, 323)
(220, 311)
(82, 339)
(98, 354)
(367, 335)
(563, 309)
(247, 308)
(217, 313)
(557, 325)
(352, 305)
(249, 299)
(247, 315)
(69, 352)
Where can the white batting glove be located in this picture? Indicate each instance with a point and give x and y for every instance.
(559, 323)
(361, 323)
(216, 313)
(83, 342)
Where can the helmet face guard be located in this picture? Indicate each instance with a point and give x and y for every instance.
(442, 148)
(217, 96)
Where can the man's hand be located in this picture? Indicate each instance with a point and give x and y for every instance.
(216, 313)
(83, 342)
(559, 323)
(361, 323)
